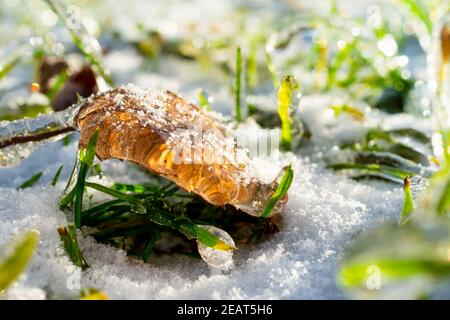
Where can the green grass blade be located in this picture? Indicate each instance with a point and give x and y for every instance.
(237, 85)
(100, 208)
(281, 191)
(79, 191)
(4, 70)
(210, 240)
(14, 264)
(30, 182)
(153, 237)
(408, 203)
(68, 236)
(112, 192)
(443, 205)
(87, 154)
(124, 187)
(57, 175)
(286, 95)
(203, 101)
(86, 160)
(61, 78)
(374, 168)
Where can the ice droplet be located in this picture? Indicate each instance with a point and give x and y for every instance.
(220, 259)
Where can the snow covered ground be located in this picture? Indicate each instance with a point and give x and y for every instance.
(325, 212)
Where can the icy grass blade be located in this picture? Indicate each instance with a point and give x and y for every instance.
(215, 256)
(57, 175)
(286, 96)
(378, 140)
(186, 227)
(281, 191)
(55, 6)
(68, 236)
(93, 294)
(18, 255)
(373, 168)
(237, 85)
(408, 203)
(30, 182)
(210, 240)
(412, 133)
(377, 163)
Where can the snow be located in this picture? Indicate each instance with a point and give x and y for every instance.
(324, 214)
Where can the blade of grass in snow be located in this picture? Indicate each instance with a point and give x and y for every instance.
(286, 96)
(408, 203)
(86, 159)
(237, 85)
(68, 236)
(57, 175)
(281, 191)
(15, 262)
(30, 182)
(375, 168)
